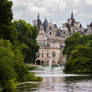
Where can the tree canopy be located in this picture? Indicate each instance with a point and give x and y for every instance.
(27, 38)
(6, 14)
(17, 45)
(79, 52)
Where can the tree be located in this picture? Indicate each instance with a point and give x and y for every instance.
(80, 60)
(20, 68)
(71, 43)
(7, 72)
(7, 31)
(17, 43)
(12, 67)
(27, 38)
(6, 15)
(79, 52)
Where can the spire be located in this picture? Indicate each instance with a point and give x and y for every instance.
(38, 17)
(72, 14)
(45, 24)
(45, 21)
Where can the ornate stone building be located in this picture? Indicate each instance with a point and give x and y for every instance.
(51, 39)
(72, 26)
(51, 44)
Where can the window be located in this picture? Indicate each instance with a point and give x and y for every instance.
(53, 54)
(53, 61)
(47, 54)
(64, 32)
(50, 28)
(50, 33)
(42, 55)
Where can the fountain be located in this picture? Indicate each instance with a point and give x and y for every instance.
(54, 80)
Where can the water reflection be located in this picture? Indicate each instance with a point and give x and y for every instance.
(78, 84)
(27, 87)
(56, 81)
(8, 90)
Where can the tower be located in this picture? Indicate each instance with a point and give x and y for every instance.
(45, 24)
(71, 20)
(38, 21)
(72, 15)
(38, 17)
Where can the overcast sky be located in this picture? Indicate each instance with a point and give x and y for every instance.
(56, 10)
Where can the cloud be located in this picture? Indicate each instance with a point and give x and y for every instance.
(55, 10)
(88, 2)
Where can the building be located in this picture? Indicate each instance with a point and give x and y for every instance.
(51, 39)
(89, 29)
(72, 26)
(51, 44)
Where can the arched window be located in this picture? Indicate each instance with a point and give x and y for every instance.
(38, 62)
(53, 54)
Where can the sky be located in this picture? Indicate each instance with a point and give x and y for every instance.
(57, 11)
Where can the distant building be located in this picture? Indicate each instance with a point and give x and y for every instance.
(72, 26)
(51, 39)
(51, 44)
(89, 29)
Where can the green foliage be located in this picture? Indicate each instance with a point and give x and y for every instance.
(8, 32)
(31, 67)
(6, 15)
(80, 58)
(71, 43)
(20, 68)
(12, 67)
(27, 38)
(17, 45)
(7, 72)
(31, 77)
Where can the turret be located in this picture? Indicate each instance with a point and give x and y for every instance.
(71, 20)
(38, 21)
(38, 17)
(72, 15)
(45, 24)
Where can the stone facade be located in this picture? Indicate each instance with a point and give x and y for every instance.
(72, 26)
(51, 44)
(51, 39)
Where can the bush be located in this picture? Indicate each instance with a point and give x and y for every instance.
(31, 67)
(7, 72)
(79, 61)
(31, 77)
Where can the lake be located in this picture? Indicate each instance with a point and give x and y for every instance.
(56, 81)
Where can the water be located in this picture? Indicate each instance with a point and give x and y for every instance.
(56, 81)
